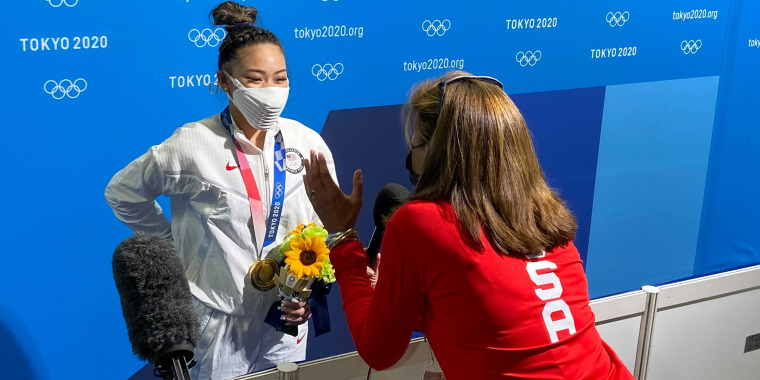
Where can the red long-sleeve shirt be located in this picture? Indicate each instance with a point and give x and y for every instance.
(486, 315)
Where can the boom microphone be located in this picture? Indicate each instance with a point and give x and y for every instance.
(389, 198)
(162, 325)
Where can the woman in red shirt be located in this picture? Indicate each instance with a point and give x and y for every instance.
(481, 259)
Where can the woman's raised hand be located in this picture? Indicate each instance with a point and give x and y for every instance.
(337, 211)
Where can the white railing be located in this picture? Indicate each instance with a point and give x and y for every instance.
(687, 312)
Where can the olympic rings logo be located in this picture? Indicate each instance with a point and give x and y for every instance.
(58, 3)
(65, 88)
(278, 190)
(206, 37)
(327, 71)
(436, 27)
(528, 58)
(691, 46)
(617, 18)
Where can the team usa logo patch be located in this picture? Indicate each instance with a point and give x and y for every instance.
(293, 161)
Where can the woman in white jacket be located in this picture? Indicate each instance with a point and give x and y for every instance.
(236, 188)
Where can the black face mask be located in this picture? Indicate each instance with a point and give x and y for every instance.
(413, 177)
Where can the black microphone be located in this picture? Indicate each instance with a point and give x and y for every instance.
(162, 324)
(389, 199)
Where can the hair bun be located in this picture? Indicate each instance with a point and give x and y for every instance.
(231, 13)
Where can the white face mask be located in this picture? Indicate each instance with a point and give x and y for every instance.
(261, 107)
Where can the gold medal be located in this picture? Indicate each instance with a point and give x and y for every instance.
(262, 274)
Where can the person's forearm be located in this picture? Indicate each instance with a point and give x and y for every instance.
(377, 335)
(132, 193)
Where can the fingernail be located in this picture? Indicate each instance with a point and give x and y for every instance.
(282, 318)
(279, 308)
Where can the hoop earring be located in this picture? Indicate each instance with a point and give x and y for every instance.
(216, 90)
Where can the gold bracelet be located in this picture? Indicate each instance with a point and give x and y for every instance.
(339, 237)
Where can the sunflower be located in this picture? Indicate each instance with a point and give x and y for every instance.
(302, 231)
(306, 256)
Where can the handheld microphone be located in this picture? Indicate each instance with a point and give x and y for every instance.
(389, 198)
(162, 324)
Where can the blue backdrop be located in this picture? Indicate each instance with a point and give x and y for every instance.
(643, 115)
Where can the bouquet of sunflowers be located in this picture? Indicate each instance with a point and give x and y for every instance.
(306, 257)
(302, 272)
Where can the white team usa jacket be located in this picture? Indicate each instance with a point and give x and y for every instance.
(211, 221)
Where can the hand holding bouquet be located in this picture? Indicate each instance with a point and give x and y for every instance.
(302, 272)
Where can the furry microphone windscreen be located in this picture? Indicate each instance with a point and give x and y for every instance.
(155, 296)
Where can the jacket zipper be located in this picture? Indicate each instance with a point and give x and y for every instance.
(266, 183)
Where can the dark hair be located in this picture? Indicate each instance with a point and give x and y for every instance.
(241, 32)
(480, 157)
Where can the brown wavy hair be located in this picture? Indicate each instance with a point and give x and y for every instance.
(480, 158)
